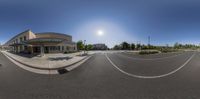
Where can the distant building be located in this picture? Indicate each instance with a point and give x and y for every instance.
(47, 42)
(100, 47)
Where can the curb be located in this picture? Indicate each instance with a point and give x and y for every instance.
(31, 66)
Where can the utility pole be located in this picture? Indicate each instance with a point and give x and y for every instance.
(167, 45)
(84, 46)
(149, 38)
(0, 46)
(139, 43)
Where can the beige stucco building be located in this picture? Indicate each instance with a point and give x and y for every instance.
(47, 42)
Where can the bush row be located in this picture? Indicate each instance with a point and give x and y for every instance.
(168, 50)
(148, 52)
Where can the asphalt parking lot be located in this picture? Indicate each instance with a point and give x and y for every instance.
(97, 78)
(156, 65)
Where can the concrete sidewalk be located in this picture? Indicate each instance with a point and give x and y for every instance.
(49, 61)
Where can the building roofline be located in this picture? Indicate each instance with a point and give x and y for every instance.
(41, 33)
(52, 33)
(17, 35)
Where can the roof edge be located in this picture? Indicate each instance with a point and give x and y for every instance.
(17, 35)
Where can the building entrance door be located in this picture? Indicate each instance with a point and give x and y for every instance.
(46, 49)
(36, 49)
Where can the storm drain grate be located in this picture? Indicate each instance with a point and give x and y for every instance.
(62, 71)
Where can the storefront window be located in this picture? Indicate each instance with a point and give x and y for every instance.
(16, 40)
(63, 48)
(24, 38)
(20, 39)
(58, 47)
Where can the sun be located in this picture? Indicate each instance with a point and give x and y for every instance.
(100, 33)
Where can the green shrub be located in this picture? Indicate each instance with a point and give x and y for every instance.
(148, 52)
(168, 50)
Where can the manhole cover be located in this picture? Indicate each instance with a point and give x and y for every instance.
(62, 71)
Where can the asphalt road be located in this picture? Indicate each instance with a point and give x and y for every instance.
(97, 78)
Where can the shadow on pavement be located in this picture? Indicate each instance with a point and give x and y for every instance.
(25, 54)
(59, 58)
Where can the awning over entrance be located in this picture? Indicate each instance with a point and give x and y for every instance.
(38, 44)
(44, 41)
(18, 44)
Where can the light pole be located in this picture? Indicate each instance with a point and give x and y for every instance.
(139, 44)
(167, 45)
(149, 38)
(84, 46)
(0, 47)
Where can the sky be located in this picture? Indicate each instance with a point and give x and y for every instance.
(165, 21)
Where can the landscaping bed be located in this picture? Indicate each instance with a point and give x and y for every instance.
(168, 50)
(146, 52)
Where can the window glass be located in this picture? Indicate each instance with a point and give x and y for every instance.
(24, 38)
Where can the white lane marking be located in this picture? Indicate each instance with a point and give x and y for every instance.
(150, 77)
(151, 59)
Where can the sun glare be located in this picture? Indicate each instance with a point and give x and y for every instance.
(100, 33)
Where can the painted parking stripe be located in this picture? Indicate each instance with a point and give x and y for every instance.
(151, 77)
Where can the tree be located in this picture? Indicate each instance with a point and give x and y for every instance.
(177, 45)
(117, 47)
(125, 46)
(89, 47)
(80, 45)
(138, 46)
(132, 46)
(144, 46)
